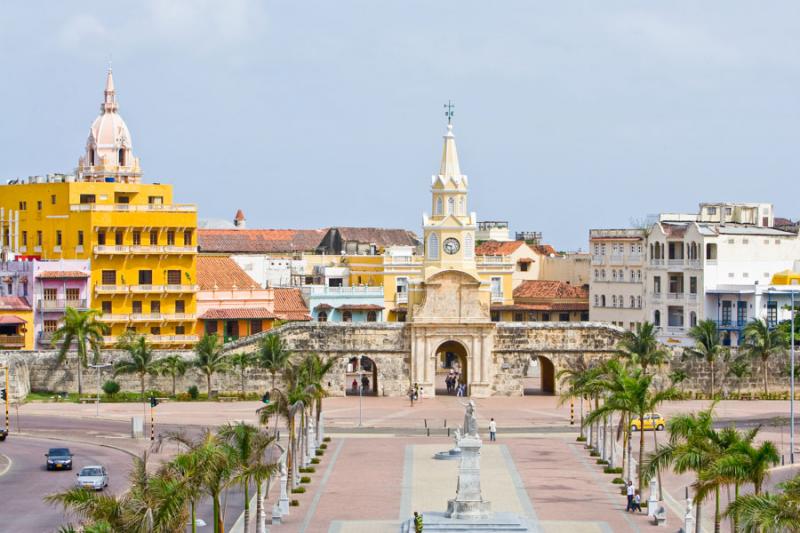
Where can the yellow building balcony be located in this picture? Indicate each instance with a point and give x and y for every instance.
(111, 289)
(112, 317)
(149, 249)
(12, 341)
(104, 249)
(146, 317)
(147, 289)
(179, 317)
(173, 249)
(176, 289)
(172, 339)
(127, 208)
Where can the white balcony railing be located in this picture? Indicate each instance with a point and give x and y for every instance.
(146, 317)
(657, 262)
(178, 317)
(185, 288)
(173, 208)
(692, 297)
(674, 296)
(172, 339)
(111, 317)
(146, 249)
(60, 304)
(711, 262)
(497, 297)
(694, 263)
(115, 249)
(321, 290)
(675, 330)
(616, 259)
(597, 259)
(111, 289)
(147, 288)
(675, 262)
(655, 296)
(494, 259)
(634, 259)
(174, 249)
(401, 298)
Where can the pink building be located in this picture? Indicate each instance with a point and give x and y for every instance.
(56, 286)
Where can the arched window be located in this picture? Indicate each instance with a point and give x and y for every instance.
(439, 205)
(639, 302)
(633, 302)
(603, 300)
(596, 300)
(347, 316)
(121, 157)
(692, 319)
(91, 157)
(462, 206)
(469, 247)
(372, 317)
(322, 316)
(596, 274)
(621, 301)
(433, 246)
(613, 300)
(451, 205)
(656, 317)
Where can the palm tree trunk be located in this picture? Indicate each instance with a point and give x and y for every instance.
(698, 528)
(173, 384)
(734, 518)
(208, 385)
(194, 517)
(625, 429)
(583, 435)
(711, 365)
(658, 470)
(141, 385)
(246, 485)
(243, 387)
(290, 456)
(641, 452)
(261, 518)
(80, 378)
(218, 525)
(766, 387)
(717, 520)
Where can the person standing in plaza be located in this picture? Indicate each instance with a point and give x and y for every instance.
(417, 522)
(492, 430)
(629, 490)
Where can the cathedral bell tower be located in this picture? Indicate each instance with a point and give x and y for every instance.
(450, 229)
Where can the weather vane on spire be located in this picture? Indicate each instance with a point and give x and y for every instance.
(449, 106)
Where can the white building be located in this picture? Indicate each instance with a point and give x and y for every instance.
(717, 264)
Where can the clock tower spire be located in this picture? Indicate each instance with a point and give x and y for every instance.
(450, 229)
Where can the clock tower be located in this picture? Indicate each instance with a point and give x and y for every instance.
(450, 229)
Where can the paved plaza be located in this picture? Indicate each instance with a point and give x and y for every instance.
(375, 475)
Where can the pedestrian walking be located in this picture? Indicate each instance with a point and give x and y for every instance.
(629, 490)
(492, 430)
(637, 502)
(417, 522)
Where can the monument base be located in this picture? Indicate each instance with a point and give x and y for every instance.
(467, 510)
(496, 523)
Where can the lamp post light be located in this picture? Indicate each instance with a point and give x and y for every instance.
(360, 390)
(99, 367)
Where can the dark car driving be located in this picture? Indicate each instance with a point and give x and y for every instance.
(59, 459)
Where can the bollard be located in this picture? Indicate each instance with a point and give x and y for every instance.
(445, 422)
(426, 421)
(448, 432)
(571, 412)
(652, 501)
(429, 431)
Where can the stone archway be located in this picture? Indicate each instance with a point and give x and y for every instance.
(363, 372)
(540, 377)
(451, 360)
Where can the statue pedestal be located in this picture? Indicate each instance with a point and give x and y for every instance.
(468, 503)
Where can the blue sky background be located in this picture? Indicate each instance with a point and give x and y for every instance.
(569, 115)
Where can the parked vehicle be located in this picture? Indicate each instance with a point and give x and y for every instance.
(3, 433)
(59, 459)
(93, 477)
(651, 421)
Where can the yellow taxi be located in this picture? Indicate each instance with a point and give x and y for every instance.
(651, 421)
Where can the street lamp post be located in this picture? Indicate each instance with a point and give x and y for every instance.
(97, 402)
(360, 390)
(791, 388)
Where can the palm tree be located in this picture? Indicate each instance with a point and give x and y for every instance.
(739, 368)
(140, 360)
(273, 355)
(316, 369)
(173, 366)
(242, 361)
(572, 382)
(155, 502)
(209, 358)
(248, 445)
(707, 345)
(677, 377)
(763, 342)
(81, 331)
(769, 513)
(630, 391)
(641, 347)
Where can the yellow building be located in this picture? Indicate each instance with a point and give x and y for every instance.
(16, 323)
(141, 245)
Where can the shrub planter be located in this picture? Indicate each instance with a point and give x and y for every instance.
(314, 461)
(298, 490)
(305, 479)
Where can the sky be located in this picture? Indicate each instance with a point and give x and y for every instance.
(569, 115)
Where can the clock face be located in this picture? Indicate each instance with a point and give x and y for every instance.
(451, 245)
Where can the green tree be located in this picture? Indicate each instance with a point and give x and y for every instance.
(677, 377)
(248, 445)
(739, 368)
(140, 361)
(762, 342)
(769, 513)
(707, 345)
(316, 370)
(572, 380)
(84, 333)
(209, 358)
(631, 391)
(641, 347)
(273, 355)
(173, 366)
(242, 361)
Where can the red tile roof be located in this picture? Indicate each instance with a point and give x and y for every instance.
(360, 307)
(544, 249)
(222, 273)
(381, 237)
(14, 303)
(545, 289)
(237, 313)
(259, 240)
(11, 320)
(498, 247)
(289, 305)
(575, 306)
(62, 274)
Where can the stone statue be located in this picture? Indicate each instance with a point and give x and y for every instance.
(470, 427)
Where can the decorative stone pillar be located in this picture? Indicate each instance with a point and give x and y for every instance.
(652, 501)
(468, 503)
(321, 429)
(283, 500)
(311, 446)
(688, 519)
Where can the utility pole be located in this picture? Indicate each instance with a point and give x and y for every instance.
(7, 396)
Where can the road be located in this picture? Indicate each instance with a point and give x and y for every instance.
(26, 482)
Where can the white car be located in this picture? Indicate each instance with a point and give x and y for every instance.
(93, 477)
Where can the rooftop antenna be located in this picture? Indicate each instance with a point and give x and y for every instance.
(449, 106)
